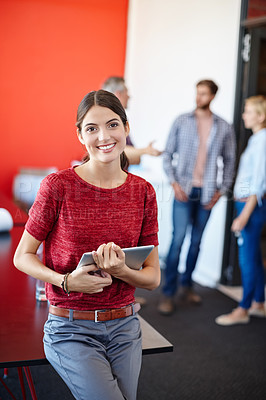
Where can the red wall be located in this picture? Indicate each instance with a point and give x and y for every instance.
(52, 53)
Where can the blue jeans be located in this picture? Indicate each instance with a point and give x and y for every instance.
(250, 258)
(96, 360)
(185, 213)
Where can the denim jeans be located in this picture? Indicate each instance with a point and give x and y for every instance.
(250, 258)
(96, 360)
(187, 213)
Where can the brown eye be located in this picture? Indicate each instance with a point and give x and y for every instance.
(91, 129)
(113, 125)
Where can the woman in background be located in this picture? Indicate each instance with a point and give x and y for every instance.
(250, 195)
(92, 337)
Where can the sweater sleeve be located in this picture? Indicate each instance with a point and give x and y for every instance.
(46, 207)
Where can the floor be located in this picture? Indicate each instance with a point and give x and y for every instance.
(234, 292)
(208, 361)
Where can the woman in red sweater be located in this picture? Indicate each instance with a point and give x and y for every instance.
(100, 207)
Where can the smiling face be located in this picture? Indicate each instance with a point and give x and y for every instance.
(103, 134)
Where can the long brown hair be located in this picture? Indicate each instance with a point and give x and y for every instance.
(106, 99)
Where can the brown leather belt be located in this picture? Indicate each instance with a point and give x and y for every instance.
(97, 315)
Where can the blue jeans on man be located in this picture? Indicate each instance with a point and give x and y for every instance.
(187, 213)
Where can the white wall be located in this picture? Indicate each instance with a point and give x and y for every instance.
(171, 45)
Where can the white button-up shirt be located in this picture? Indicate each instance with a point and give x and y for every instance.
(251, 176)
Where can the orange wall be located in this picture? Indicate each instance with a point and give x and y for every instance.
(52, 53)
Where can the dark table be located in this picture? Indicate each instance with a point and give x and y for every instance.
(22, 317)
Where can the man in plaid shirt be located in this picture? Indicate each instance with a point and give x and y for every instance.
(198, 143)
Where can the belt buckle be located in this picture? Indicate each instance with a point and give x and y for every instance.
(96, 315)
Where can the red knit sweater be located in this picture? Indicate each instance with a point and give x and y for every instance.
(73, 217)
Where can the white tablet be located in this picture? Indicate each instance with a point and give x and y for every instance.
(135, 256)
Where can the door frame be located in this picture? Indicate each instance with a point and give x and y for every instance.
(250, 33)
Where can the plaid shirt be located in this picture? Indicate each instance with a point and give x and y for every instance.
(181, 152)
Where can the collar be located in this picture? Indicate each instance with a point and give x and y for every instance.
(256, 136)
(192, 115)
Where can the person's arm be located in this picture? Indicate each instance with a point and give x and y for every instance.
(241, 221)
(214, 200)
(111, 258)
(229, 155)
(134, 154)
(257, 168)
(179, 193)
(26, 260)
(170, 149)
